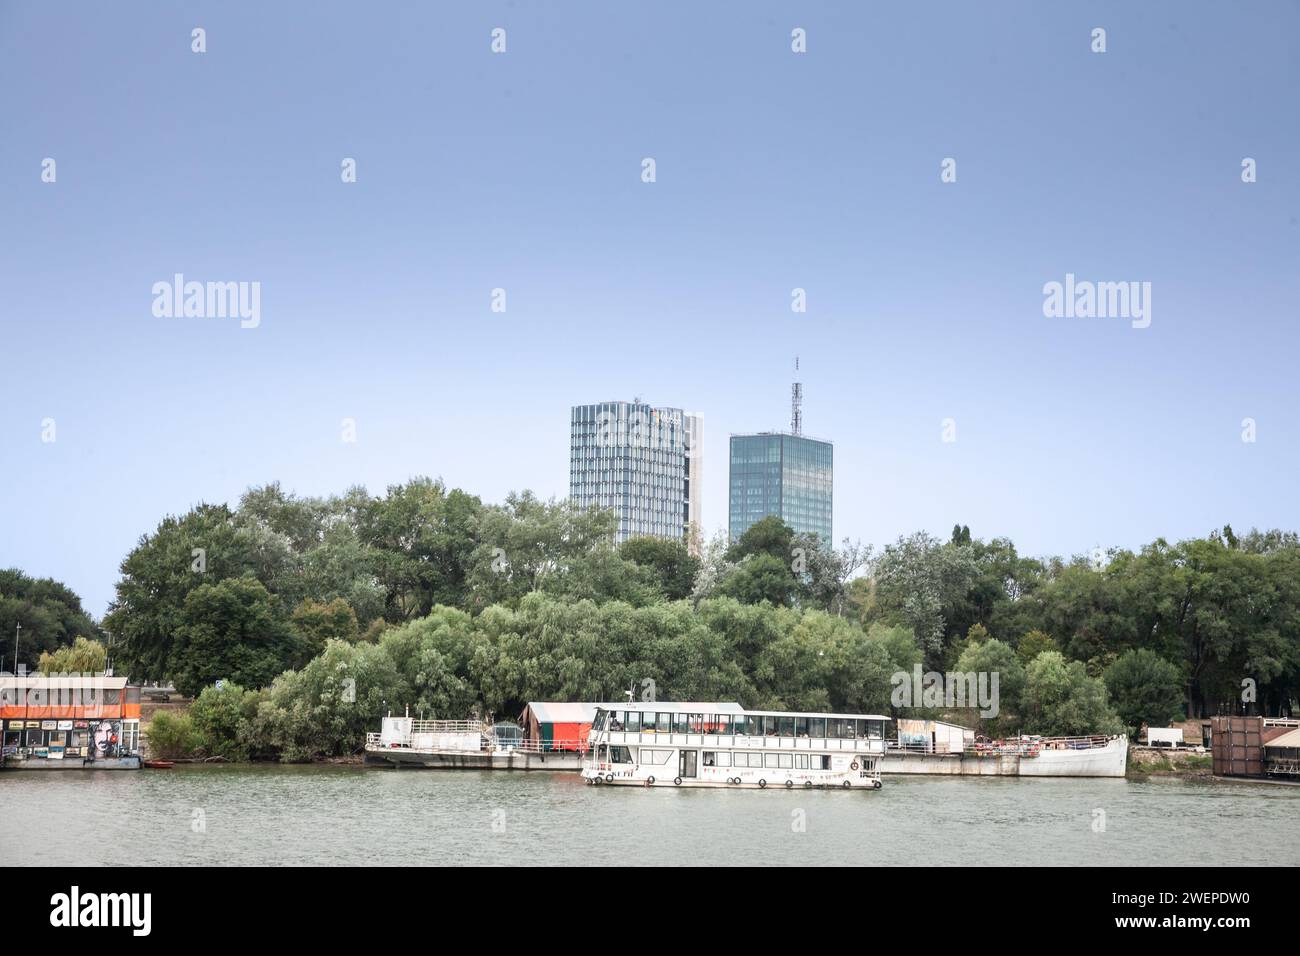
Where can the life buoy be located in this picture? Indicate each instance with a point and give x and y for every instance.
(609, 778)
(847, 784)
(807, 784)
(875, 784)
(854, 765)
(677, 781)
(789, 784)
(649, 781)
(762, 785)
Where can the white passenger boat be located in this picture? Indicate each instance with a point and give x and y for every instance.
(667, 745)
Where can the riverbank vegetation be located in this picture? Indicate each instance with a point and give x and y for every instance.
(319, 614)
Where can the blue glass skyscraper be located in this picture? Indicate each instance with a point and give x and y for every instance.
(642, 463)
(791, 476)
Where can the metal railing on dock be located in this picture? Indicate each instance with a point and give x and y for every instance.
(1028, 747)
(491, 744)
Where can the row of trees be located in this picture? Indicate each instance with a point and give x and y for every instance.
(1223, 611)
(453, 605)
(452, 663)
(50, 613)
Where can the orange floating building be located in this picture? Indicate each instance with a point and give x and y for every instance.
(69, 721)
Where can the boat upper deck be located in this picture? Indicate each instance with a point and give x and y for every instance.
(667, 724)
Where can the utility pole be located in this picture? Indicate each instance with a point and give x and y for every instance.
(17, 630)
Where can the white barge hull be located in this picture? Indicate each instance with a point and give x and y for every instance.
(737, 783)
(1105, 761)
(473, 759)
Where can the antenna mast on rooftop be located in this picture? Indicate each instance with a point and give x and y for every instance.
(796, 402)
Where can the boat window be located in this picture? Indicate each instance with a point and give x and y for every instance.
(769, 760)
(769, 726)
(724, 759)
(821, 761)
(801, 726)
(786, 726)
(818, 726)
(620, 755)
(697, 723)
(834, 727)
(633, 721)
(721, 724)
(598, 722)
(664, 723)
(679, 723)
(859, 729)
(754, 726)
(801, 761)
(710, 758)
(785, 761)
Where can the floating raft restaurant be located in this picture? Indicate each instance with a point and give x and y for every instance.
(69, 723)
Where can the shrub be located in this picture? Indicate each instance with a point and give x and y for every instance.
(171, 735)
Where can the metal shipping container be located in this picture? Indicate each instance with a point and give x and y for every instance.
(1237, 746)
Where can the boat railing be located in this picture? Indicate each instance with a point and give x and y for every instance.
(448, 726)
(543, 746)
(1092, 742)
(666, 738)
(1025, 747)
(493, 743)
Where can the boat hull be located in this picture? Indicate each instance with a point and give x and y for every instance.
(472, 760)
(736, 784)
(1108, 761)
(70, 763)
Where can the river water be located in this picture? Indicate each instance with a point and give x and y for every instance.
(258, 815)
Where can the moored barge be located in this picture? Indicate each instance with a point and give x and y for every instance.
(672, 745)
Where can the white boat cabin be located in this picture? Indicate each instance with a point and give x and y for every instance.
(659, 744)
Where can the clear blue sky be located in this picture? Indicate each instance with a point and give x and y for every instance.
(775, 170)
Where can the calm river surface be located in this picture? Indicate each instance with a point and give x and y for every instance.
(219, 815)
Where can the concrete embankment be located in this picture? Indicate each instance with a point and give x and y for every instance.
(1163, 761)
(964, 765)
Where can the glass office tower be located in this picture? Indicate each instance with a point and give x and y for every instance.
(791, 476)
(642, 463)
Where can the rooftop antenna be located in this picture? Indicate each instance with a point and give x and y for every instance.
(796, 402)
